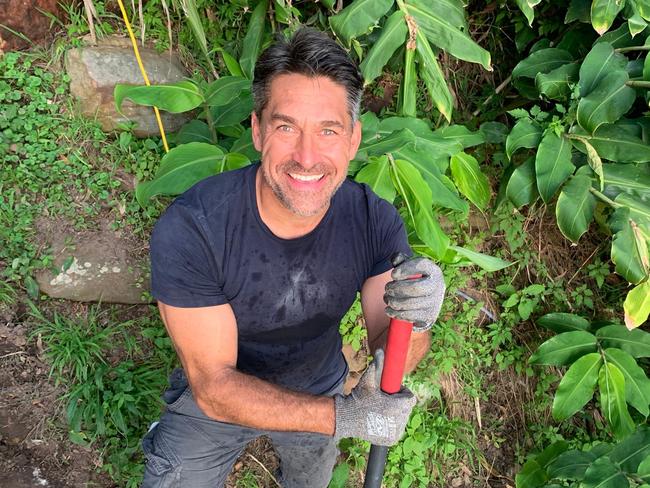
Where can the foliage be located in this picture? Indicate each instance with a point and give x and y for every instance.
(352, 327)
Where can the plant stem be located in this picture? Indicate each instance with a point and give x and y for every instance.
(632, 48)
(604, 198)
(638, 84)
(210, 120)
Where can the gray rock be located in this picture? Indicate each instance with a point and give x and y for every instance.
(95, 267)
(94, 72)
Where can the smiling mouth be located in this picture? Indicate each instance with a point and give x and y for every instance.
(306, 178)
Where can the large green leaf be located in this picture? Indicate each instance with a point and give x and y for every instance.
(577, 386)
(194, 20)
(253, 40)
(609, 100)
(441, 193)
(527, 10)
(603, 474)
(564, 348)
(635, 342)
(556, 83)
(433, 77)
(442, 33)
(179, 169)
(244, 145)
(637, 305)
(570, 465)
(525, 133)
(522, 185)
(552, 164)
(392, 36)
(358, 18)
(601, 60)
(409, 85)
(533, 473)
(486, 262)
(563, 322)
(470, 180)
(603, 13)
(626, 178)
(418, 201)
(639, 209)
(234, 112)
(376, 174)
(629, 453)
(619, 37)
(541, 61)
(194, 131)
(387, 144)
(182, 96)
(575, 207)
(615, 144)
(637, 384)
(225, 90)
(461, 135)
(625, 251)
(612, 400)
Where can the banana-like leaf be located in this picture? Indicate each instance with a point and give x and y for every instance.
(637, 306)
(181, 168)
(627, 178)
(606, 103)
(603, 13)
(555, 83)
(525, 133)
(636, 23)
(175, 98)
(575, 207)
(358, 18)
(225, 90)
(194, 131)
(244, 145)
(522, 185)
(527, 10)
(387, 144)
(563, 322)
(461, 135)
(602, 473)
(564, 348)
(552, 164)
(392, 36)
(253, 40)
(470, 180)
(433, 77)
(612, 400)
(631, 453)
(376, 174)
(418, 201)
(194, 19)
(637, 384)
(619, 37)
(484, 261)
(577, 386)
(601, 60)
(635, 342)
(409, 87)
(625, 251)
(232, 65)
(613, 143)
(534, 471)
(440, 32)
(541, 61)
(571, 464)
(234, 112)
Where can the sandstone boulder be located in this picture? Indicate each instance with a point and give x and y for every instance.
(26, 17)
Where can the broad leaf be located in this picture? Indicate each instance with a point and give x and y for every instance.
(225, 90)
(552, 164)
(577, 386)
(541, 61)
(564, 348)
(619, 37)
(563, 322)
(433, 77)
(234, 160)
(384, 145)
(533, 473)
(392, 36)
(244, 145)
(181, 168)
(445, 35)
(571, 465)
(194, 131)
(635, 342)
(637, 384)
(234, 112)
(527, 10)
(253, 40)
(494, 132)
(409, 86)
(603, 13)
(637, 306)
(462, 135)
(603, 474)
(376, 174)
(175, 98)
(555, 83)
(632, 451)
(470, 180)
(522, 185)
(575, 207)
(601, 60)
(625, 251)
(358, 18)
(612, 400)
(525, 133)
(626, 178)
(609, 100)
(484, 261)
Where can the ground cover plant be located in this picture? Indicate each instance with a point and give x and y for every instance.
(532, 378)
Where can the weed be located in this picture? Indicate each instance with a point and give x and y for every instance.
(351, 327)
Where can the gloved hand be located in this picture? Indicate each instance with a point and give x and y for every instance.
(370, 414)
(415, 300)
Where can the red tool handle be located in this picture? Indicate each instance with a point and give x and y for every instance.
(397, 346)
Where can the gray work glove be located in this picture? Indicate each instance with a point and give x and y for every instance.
(370, 414)
(415, 300)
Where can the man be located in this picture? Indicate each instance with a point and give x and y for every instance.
(253, 270)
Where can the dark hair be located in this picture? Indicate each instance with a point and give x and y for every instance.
(312, 53)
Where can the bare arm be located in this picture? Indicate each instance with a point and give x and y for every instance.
(206, 342)
(372, 303)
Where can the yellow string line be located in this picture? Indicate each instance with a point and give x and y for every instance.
(144, 73)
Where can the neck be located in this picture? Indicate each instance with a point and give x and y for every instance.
(284, 223)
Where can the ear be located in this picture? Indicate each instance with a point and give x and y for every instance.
(355, 141)
(256, 132)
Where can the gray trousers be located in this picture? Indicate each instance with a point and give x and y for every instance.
(187, 449)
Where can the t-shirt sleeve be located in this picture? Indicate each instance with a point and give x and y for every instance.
(183, 269)
(390, 235)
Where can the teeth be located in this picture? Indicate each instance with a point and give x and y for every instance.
(305, 177)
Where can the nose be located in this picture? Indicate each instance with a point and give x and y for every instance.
(306, 150)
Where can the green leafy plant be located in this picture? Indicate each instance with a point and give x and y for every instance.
(599, 355)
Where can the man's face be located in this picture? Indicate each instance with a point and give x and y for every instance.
(307, 140)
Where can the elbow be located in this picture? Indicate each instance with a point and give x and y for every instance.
(210, 392)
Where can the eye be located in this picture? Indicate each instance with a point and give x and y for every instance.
(329, 132)
(285, 128)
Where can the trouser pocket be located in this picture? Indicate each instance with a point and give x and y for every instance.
(162, 464)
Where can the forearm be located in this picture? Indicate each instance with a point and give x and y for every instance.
(238, 398)
(418, 347)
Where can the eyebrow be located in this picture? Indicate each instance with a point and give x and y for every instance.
(291, 120)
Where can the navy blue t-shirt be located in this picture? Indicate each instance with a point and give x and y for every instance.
(211, 247)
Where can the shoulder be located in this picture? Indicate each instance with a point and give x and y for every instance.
(359, 197)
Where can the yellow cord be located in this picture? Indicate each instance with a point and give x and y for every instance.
(144, 73)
